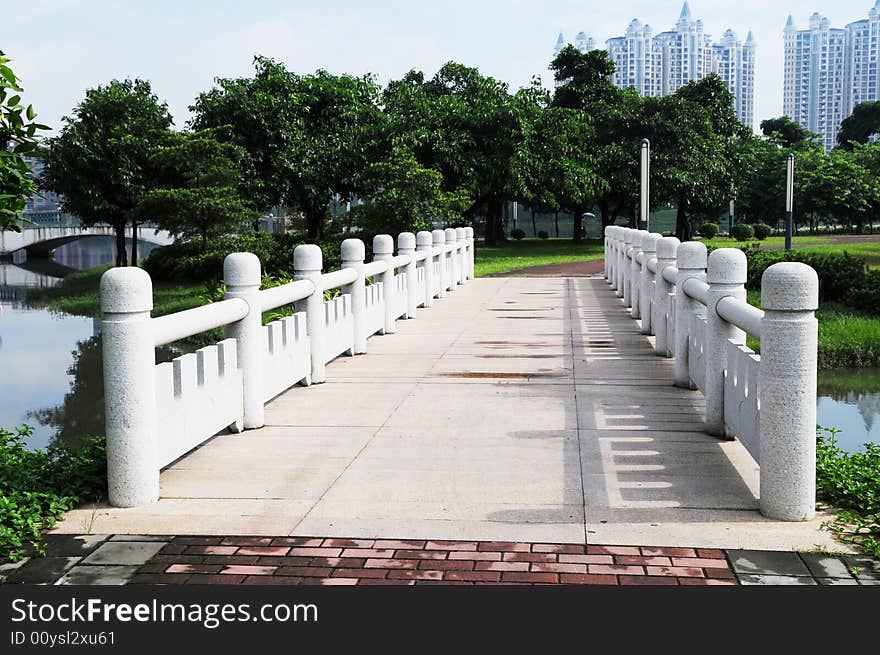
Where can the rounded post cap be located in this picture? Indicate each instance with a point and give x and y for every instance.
(241, 269)
(308, 257)
(424, 238)
(126, 289)
(691, 255)
(406, 241)
(629, 235)
(790, 286)
(450, 234)
(649, 241)
(383, 244)
(609, 230)
(439, 236)
(727, 266)
(460, 234)
(353, 250)
(469, 232)
(666, 247)
(638, 236)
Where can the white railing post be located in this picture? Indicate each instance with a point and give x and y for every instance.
(726, 277)
(129, 362)
(469, 233)
(612, 256)
(424, 242)
(646, 293)
(383, 250)
(628, 237)
(691, 257)
(461, 240)
(666, 249)
(353, 254)
(241, 273)
(308, 261)
(618, 261)
(787, 391)
(439, 237)
(606, 261)
(406, 245)
(452, 259)
(636, 273)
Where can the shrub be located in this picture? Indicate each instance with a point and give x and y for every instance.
(762, 231)
(543, 234)
(38, 486)
(518, 234)
(708, 230)
(742, 232)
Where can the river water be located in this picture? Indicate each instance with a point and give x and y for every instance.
(51, 378)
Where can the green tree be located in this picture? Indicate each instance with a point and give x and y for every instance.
(101, 159)
(18, 139)
(786, 133)
(201, 186)
(860, 125)
(834, 186)
(308, 136)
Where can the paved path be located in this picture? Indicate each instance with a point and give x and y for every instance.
(516, 409)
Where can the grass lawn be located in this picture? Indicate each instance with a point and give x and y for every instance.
(870, 250)
(534, 252)
(727, 242)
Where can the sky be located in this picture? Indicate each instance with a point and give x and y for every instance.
(61, 48)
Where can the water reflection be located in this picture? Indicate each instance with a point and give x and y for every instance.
(849, 400)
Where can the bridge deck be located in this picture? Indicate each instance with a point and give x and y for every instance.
(514, 409)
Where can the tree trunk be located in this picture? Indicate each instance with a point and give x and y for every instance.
(494, 232)
(578, 226)
(121, 254)
(556, 222)
(534, 225)
(682, 226)
(134, 242)
(606, 215)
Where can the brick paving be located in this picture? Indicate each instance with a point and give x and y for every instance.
(134, 559)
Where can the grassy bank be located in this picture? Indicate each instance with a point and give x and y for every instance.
(512, 255)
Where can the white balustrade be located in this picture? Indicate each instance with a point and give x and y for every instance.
(157, 413)
(696, 306)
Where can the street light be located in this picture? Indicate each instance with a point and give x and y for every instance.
(646, 182)
(789, 199)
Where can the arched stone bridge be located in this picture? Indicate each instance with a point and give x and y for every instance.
(41, 239)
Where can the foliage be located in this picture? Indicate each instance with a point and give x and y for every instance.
(708, 230)
(742, 232)
(200, 186)
(518, 234)
(38, 486)
(543, 234)
(784, 132)
(858, 127)
(18, 139)
(101, 159)
(850, 482)
(762, 231)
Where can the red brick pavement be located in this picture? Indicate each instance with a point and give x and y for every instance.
(301, 560)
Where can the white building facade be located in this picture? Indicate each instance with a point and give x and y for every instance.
(828, 71)
(657, 65)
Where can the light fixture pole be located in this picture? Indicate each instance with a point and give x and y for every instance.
(646, 184)
(789, 199)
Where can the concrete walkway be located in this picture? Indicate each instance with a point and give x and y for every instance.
(516, 409)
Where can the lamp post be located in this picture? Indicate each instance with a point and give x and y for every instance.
(730, 218)
(646, 182)
(789, 199)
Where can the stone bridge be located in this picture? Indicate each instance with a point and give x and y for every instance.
(39, 240)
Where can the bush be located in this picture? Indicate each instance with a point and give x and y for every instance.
(762, 231)
(742, 232)
(543, 234)
(708, 230)
(38, 486)
(518, 234)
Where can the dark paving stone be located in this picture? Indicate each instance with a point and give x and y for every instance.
(822, 565)
(98, 575)
(124, 553)
(72, 545)
(41, 570)
(836, 581)
(767, 562)
(868, 568)
(776, 580)
(141, 537)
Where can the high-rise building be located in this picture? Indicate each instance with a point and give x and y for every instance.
(657, 65)
(828, 71)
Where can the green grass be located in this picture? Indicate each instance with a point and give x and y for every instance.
(727, 242)
(513, 255)
(870, 250)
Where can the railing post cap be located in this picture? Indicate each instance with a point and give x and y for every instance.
(790, 286)
(308, 257)
(241, 269)
(126, 289)
(383, 244)
(460, 234)
(609, 230)
(629, 235)
(727, 266)
(469, 232)
(638, 237)
(450, 234)
(691, 255)
(667, 247)
(439, 236)
(424, 238)
(406, 241)
(353, 250)
(649, 241)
